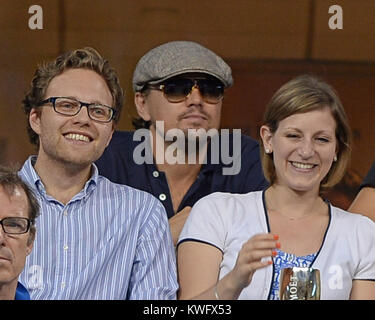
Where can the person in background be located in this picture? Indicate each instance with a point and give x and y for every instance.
(18, 212)
(234, 246)
(343, 193)
(180, 86)
(364, 202)
(96, 239)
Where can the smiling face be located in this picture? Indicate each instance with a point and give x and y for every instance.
(303, 146)
(73, 140)
(14, 248)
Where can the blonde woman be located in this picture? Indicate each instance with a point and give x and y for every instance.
(234, 246)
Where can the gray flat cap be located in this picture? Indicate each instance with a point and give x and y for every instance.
(178, 57)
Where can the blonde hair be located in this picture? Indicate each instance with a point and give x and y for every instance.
(303, 94)
(86, 58)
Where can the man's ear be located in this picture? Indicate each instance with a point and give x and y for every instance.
(110, 137)
(29, 248)
(34, 120)
(30, 241)
(142, 107)
(266, 135)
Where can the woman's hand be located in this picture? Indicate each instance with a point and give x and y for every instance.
(256, 253)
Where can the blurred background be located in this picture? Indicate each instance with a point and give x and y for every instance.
(266, 42)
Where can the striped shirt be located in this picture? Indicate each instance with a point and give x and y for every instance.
(109, 241)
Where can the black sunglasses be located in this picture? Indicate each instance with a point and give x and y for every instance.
(177, 90)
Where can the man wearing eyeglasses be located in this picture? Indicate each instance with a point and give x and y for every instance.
(97, 239)
(180, 86)
(18, 211)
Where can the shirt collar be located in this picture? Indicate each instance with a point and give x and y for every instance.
(29, 174)
(93, 181)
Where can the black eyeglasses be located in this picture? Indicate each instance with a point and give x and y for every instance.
(15, 225)
(177, 90)
(71, 107)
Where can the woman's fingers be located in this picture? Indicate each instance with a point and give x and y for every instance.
(256, 253)
(257, 249)
(260, 245)
(264, 240)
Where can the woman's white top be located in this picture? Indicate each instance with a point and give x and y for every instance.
(227, 221)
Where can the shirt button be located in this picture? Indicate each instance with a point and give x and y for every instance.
(162, 197)
(65, 213)
(63, 285)
(66, 247)
(155, 174)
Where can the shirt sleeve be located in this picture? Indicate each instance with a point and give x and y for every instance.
(206, 223)
(365, 233)
(154, 275)
(369, 180)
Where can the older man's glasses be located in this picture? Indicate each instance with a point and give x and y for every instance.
(15, 225)
(71, 107)
(177, 90)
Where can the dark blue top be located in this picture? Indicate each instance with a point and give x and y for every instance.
(369, 180)
(117, 165)
(21, 293)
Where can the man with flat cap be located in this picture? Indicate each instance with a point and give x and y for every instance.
(179, 87)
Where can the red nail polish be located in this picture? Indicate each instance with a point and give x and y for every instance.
(278, 245)
(276, 237)
(274, 253)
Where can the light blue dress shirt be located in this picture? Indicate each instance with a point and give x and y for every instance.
(110, 241)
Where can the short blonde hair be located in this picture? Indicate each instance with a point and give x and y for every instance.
(85, 58)
(303, 94)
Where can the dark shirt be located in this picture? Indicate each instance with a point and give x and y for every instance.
(21, 293)
(369, 180)
(117, 165)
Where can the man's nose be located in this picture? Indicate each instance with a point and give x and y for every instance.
(82, 115)
(195, 97)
